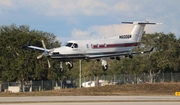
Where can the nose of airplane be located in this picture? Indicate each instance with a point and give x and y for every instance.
(58, 51)
(61, 50)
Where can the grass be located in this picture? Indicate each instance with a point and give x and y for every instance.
(125, 89)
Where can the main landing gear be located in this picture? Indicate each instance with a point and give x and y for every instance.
(69, 65)
(104, 65)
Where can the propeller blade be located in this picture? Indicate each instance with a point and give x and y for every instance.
(44, 46)
(40, 56)
(49, 65)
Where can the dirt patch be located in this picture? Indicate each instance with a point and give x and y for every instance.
(125, 89)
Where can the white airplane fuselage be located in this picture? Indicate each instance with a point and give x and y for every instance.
(120, 45)
(96, 47)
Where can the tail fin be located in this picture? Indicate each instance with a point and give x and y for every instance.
(138, 29)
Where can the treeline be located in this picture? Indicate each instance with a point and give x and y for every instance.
(17, 64)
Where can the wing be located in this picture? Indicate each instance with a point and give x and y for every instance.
(36, 48)
(105, 55)
(143, 51)
(116, 54)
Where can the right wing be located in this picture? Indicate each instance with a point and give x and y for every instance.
(116, 54)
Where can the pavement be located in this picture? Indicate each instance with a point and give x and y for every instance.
(101, 103)
(71, 99)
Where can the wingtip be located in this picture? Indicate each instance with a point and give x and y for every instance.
(152, 49)
(24, 47)
(159, 23)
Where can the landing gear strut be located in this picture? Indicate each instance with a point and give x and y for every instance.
(61, 67)
(69, 64)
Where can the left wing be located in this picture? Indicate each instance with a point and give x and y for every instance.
(36, 48)
(143, 51)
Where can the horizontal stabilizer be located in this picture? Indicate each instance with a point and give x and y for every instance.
(140, 22)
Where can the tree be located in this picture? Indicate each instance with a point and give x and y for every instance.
(17, 64)
(164, 57)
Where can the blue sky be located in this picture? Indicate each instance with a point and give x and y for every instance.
(84, 19)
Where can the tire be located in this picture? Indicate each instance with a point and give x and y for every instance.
(70, 66)
(105, 67)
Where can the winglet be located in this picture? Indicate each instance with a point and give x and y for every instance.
(148, 51)
(152, 49)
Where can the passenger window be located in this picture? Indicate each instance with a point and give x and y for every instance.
(105, 45)
(92, 45)
(97, 45)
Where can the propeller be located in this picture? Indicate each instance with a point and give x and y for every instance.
(49, 65)
(40, 56)
(45, 53)
(44, 46)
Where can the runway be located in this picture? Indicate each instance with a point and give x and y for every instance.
(102, 103)
(71, 99)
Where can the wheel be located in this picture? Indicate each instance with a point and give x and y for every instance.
(70, 66)
(130, 56)
(105, 67)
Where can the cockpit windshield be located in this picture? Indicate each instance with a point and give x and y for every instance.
(68, 44)
(72, 45)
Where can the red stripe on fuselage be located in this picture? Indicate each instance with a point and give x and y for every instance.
(114, 45)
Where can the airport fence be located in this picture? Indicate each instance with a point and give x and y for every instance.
(97, 80)
(136, 78)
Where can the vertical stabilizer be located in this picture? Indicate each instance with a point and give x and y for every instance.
(138, 29)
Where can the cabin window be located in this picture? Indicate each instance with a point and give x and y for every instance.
(92, 45)
(97, 45)
(75, 45)
(87, 46)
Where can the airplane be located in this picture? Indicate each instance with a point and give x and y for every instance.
(99, 49)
